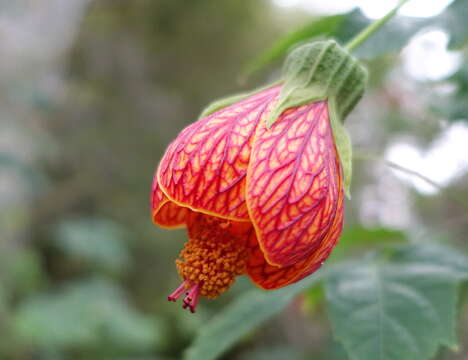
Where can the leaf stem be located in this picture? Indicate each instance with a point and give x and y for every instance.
(369, 30)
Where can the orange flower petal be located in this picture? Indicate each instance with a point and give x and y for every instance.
(293, 184)
(205, 167)
(166, 213)
(272, 277)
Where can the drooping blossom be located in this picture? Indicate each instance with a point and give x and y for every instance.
(257, 200)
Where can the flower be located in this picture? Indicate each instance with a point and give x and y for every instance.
(256, 201)
(265, 201)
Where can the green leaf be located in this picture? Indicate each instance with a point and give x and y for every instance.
(352, 240)
(313, 298)
(324, 26)
(399, 304)
(242, 316)
(392, 37)
(96, 240)
(360, 237)
(453, 19)
(454, 106)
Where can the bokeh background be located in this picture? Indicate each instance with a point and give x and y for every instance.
(91, 93)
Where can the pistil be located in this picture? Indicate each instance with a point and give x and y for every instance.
(179, 291)
(210, 261)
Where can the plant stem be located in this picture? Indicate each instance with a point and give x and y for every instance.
(369, 30)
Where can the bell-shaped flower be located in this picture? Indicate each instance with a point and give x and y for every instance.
(259, 180)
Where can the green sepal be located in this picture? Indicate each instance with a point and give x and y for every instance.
(229, 100)
(318, 71)
(222, 103)
(343, 145)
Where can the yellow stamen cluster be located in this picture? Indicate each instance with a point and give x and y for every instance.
(213, 257)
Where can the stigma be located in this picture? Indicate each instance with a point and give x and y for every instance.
(192, 294)
(214, 256)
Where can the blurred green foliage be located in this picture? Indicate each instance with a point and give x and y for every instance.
(85, 315)
(100, 242)
(91, 94)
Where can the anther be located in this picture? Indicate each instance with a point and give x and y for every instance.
(210, 261)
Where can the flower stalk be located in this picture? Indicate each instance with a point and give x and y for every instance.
(360, 38)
